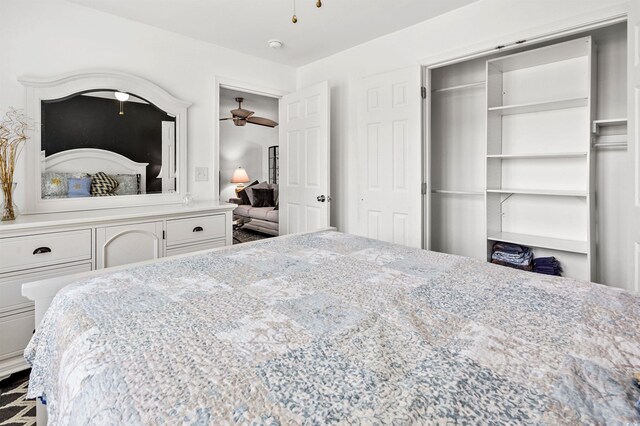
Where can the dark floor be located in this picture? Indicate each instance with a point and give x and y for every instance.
(15, 409)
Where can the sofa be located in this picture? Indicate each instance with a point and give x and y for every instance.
(261, 219)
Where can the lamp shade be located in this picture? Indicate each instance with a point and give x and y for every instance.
(240, 176)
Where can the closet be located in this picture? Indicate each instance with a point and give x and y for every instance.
(529, 147)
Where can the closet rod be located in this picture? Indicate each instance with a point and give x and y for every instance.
(444, 191)
(459, 87)
(610, 145)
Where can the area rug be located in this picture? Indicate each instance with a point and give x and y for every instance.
(15, 409)
(245, 235)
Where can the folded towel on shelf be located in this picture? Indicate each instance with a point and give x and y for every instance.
(511, 265)
(520, 259)
(508, 248)
(547, 265)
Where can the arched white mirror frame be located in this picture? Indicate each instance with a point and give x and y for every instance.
(39, 89)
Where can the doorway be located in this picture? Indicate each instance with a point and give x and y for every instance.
(248, 158)
(302, 126)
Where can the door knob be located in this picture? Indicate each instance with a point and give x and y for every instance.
(321, 198)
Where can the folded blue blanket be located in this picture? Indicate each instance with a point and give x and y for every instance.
(522, 259)
(547, 265)
(509, 248)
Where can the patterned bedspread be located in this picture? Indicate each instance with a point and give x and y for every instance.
(332, 328)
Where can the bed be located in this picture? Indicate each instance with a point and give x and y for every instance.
(328, 327)
(84, 162)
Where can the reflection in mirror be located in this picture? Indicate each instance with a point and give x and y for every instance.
(106, 143)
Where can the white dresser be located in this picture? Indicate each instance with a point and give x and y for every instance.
(41, 246)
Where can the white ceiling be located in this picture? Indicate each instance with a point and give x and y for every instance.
(247, 25)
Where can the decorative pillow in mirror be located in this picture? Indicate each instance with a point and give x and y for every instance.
(127, 184)
(56, 184)
(79, 187)
(103, 185)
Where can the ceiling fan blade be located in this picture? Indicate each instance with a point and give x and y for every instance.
(226, 118)
(242, 113)
(261, 121)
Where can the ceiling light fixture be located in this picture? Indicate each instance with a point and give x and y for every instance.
(122, 97)
(275, 44)
(294, 18)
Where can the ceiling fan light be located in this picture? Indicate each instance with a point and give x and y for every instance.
(121, 96)
(319, 3)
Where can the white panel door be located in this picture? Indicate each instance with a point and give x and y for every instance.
(389, 157)
(633, 110)
(304, 160)
(124, 244)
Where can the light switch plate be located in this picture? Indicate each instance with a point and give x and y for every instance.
(202, 174)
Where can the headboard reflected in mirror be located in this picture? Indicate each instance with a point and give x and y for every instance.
(60, 168)
(118, 134)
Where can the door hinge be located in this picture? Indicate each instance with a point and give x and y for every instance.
(423, 92)
(424, 188)
(164, 235)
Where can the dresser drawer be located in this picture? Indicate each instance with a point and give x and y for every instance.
(194, 229)
(17, 253)
(196, 247)
(11, 298)
(15, 333)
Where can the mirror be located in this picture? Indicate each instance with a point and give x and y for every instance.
(106, 143)
(105, 139)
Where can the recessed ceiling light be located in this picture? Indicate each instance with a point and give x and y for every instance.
(275, 44)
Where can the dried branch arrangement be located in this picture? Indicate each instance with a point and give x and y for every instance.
(13, 134)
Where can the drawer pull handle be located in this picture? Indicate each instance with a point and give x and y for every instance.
(42, 250)
(198, 229)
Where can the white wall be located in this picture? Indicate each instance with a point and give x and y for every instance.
(46, 38)
(245, 146)
(481, 25)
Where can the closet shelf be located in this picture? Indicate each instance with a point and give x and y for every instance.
(540, 106)
(561, 193)
(445, 191)
(460, 87)
(573, 246)
(543, 155)
(595, 126)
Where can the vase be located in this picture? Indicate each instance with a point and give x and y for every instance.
(8, 207)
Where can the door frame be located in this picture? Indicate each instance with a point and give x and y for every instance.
(567, 27)
(227, 83)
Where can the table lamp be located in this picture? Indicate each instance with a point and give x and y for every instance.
(240, 177)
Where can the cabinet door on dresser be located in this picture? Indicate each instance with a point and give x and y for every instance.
(124, 244)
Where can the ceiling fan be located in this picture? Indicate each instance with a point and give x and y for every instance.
(241, 116)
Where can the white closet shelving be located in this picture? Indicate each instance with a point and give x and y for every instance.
(539, 180)
(534, 183)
